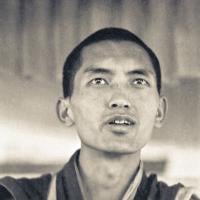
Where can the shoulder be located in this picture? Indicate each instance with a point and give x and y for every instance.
(190, 193)
(34, 188)
(163, 191)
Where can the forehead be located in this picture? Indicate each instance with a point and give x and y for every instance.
(128, 53)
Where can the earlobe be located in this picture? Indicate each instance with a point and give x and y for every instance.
(63, 111)
(161, 112)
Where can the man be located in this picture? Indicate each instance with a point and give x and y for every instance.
(112, 96)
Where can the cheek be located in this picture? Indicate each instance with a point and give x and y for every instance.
(148, 109)
(86, 108)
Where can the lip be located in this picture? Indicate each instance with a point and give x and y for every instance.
(129, 120)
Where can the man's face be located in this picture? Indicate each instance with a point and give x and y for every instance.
(115, 99)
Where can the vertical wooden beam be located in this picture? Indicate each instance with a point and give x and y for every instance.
(66, 31)
(160, 36)
(8, 30)
(187, 33)
(101, 15)
(19, 38)
(30, 41)
(132, 16)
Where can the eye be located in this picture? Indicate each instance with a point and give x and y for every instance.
(98, 81)
(140, 82)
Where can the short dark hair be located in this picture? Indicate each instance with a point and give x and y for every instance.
(73, 63)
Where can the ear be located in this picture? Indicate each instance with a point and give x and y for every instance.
(64, 112)
(161, 112)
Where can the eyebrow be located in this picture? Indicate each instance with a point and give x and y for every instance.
(141, 72)
(98, 70)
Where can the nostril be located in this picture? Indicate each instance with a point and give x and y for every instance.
(114, 105)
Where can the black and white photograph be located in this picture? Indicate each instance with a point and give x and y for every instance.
(100, 100)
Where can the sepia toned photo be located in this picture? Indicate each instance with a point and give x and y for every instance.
(100, 100)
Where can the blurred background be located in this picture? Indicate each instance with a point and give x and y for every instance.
(35, 38)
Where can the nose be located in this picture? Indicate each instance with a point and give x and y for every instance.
(119, 101)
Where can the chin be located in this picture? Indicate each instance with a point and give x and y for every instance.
(117, 148)
(121, 149)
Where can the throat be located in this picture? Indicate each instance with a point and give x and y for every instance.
(107, 174)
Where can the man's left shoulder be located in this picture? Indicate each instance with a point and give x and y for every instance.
(176, 191)
(161, 190)
(188, 193)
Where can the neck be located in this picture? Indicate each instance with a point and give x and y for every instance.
(106, 174)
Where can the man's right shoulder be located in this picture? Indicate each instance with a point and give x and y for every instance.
(24, 188)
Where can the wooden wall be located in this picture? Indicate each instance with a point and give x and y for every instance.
(37, 35)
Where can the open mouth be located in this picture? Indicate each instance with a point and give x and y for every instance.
(121, 121)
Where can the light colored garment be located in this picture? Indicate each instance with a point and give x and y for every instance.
(186, 193)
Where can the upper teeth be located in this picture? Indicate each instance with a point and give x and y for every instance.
(122, 122)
